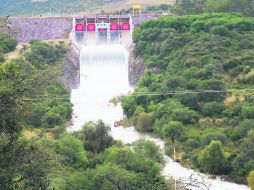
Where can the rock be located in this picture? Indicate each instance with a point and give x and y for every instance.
(136, 66)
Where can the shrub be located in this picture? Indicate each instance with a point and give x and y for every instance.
(208, 138)
(248, 111)
(212, 159)
(51, 119)
(8, 44)
(72, 149)
(219, 30)
(2, 59)
(244, 127)
(144, 122)
(212, 109)
(193, 143)
(149, 149)
(185, 115)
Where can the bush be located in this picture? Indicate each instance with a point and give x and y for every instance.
(185, 115)
(208, 138)
(212, 159)
(8, 44)
(244, 127)
(144, 122)
(248, 111)
(72, 149)
(2, 59)
(149, 149)
(193, 143)
(219, 30)
(212, 109)
(51, 119)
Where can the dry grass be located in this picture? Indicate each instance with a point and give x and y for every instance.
(147, 2)
(30, 133)
(14, 54)
(230, 101)
(126, 4)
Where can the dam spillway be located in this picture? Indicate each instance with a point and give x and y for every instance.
(103, 76)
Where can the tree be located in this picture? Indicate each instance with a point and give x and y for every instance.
(95, 136)
(128, 105)
(72, 149)
(173, 130)
(250, 180)
(23, 164)
(212, 108)
(147, 170)
(148, 149)
(213, 159)
(109, 176)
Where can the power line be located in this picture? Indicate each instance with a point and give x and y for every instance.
(188, 92)
(137, 94)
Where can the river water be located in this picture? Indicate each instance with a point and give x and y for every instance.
(103, 76)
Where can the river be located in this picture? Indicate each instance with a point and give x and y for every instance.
(103, 76)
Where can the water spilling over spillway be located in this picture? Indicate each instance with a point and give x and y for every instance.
(103, 76)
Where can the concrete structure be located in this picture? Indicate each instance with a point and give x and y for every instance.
(108, 23)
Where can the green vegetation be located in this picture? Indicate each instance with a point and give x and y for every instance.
(193, 62)
(212, 159)
(7, 42)
(245, 7)
(24, 7)
(36, 152)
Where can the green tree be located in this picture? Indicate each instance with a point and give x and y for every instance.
(23, 165)
(212, 108)
(173, 130)
(148, 149)
(213, 159)
(114, 177)
(96, 137)
(72, 150)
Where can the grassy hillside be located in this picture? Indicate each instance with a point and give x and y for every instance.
(193, 63)
(25, 7)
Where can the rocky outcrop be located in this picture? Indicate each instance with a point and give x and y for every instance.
(136, 66)
(70, 68)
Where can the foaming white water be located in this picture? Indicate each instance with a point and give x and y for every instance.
(104, 75)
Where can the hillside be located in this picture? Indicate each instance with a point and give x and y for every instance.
(37, 7)
(28, 7)
(192, 93)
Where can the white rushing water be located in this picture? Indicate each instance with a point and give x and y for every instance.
(103, 76)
